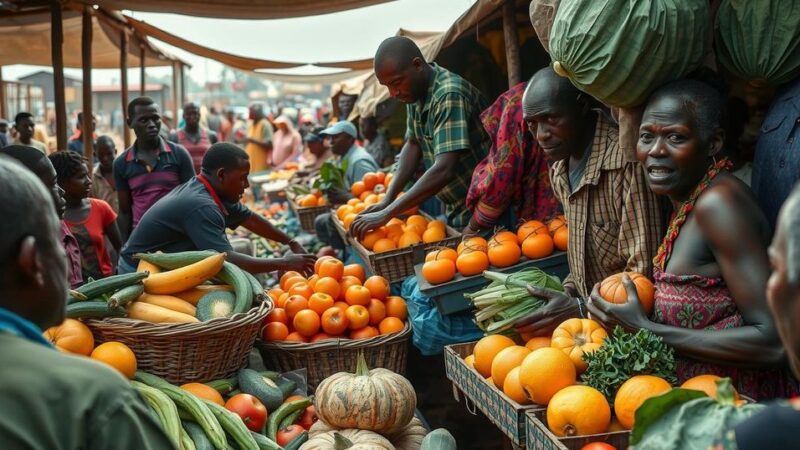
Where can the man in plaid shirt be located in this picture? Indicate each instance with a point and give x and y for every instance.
(444, 131)
(615, 221)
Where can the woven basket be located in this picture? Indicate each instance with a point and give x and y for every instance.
(325, 358)
(186, 352)
(308, 214)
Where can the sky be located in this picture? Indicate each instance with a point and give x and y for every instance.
(347, 35)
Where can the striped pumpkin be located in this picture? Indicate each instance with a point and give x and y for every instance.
(322, 437)
(377, 400)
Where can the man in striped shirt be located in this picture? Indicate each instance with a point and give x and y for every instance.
(150, 168)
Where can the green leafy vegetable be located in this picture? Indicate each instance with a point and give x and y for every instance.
(331, 175)
(624, 355)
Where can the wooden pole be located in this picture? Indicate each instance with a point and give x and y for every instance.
(183, 83)
(2, 96)
(512, 43)
(123, 85)
(86, 63)
(175, 88)
(141, 70)
(56, 45)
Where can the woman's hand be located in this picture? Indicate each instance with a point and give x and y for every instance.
(630, 316)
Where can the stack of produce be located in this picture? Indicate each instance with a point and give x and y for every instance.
(312, 199)
(72, 336)
(180, 294)
(338, 301)
(283, 174)
(367, 192)
(533, 240)
(370, 409)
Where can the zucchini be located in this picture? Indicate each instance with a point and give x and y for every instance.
(198, 436)
(236, 277)
(276, 417)
(174, 260)
(75, 296)
(264, 389)
(290, 419)
(258, 290)
(286, 386)
(295, 443)
(264, 443)
(93, 309)
(126, 295)
(216, 304)
(233, 425)
(186, 442)
(165, 409)
(192, 404)
(224, 385)
(110, 284)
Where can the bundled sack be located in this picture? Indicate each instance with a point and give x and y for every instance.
(759, 41)
(619, 51)
(542, 14)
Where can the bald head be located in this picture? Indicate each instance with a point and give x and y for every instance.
(400, 66)
(547, 88)
(397, 50)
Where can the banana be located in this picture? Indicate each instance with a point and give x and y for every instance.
(183, 278)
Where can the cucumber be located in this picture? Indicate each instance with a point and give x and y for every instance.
(126, 295)
(290, 419)
(186, 441)
(264, 443)
(258, 290)
(233, 426)
(93, 309)
(224, 385)
(216, 304)
(264, 389)
(165, 409)
(198, 436)
(110, 284)
(286, 386)
(295, 443)
(276, 417)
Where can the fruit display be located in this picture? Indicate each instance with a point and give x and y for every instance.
(533, 240)
(176, 291)
(312, 199)
(397, 233)
(338, 301)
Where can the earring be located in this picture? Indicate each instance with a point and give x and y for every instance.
(714, 158)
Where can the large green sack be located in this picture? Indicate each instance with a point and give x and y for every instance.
(759, 41)
(619, 51)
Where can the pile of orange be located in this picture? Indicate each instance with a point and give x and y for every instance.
(338, 301)
(315, 198)
(72, 336)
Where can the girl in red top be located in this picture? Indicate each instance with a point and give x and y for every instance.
(91, 220)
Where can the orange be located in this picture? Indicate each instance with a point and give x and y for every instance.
(415, 228)
(472, 263)
(118, 356)
(442, 253)
(436, 224)
(486, 349)
(370, 180)
(544, 372)
(277, 315)
(380, 176)
(391, 325)
(396, 307)
(433, 235)
(364, 333)
(578, 336)
(307, 200)
(612, 290)
(507, 359)
(294, 336)
(275, 331)
(294, 305)
(633, 393)
(513, 389)
(292, 281)
(355, 270)
(348, 220)
(378, 287)
(561, 239)
(331, 268)
(504, 254)
(320, 337)
(705, 383)
(358, 316)
(555, 224)
(358, 188)
(388, 180)
(345, 283)
(306, 322)
(372, 237)
(204, 391)
(312, 280)
(530, 228)
(377, 311)
(371, 199)
(322, 201)
(469, 360)
(364, 195)
(417, 220)
(440, 271)
(503, 236)
(319, 262)
(578, 411)
(320, 302)
(383, 245)
(72, 336)
(341, 305)
(409, 238)
(353, 202)
(275, 294)
(357, 295)
(334, 321)
(282, 300)
(302, 289)
(328, 285)
(475, 243)
(286, 276)
(536, 343)
(537, 246)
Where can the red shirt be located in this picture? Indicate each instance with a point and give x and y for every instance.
(91, 236)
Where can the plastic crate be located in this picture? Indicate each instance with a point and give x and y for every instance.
(508, 415)
(449, 297)
(539, 437)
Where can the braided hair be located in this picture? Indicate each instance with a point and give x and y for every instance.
(67, 164)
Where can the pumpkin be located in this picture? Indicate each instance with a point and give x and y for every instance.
(612, 290)
(376, 400)
(72, 336)
(410, 437)
(322, 437)
(576, 337)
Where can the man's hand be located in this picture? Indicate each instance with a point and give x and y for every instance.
(366, 222)
(299, 263)
(558, 307)
(295, 247)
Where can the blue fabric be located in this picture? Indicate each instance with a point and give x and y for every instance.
(123, 267)
(431, 330)
(15, 324)
(359, 163)
(776, 165)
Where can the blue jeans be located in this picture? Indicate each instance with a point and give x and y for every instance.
(123, 267)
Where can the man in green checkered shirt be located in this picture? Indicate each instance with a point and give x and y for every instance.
(444, 131)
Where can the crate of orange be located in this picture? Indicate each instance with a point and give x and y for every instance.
(307, 207)
(505, 406)
(539, 437)
(447, 274)
(322, 322)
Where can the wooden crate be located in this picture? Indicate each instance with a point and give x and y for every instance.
(539, 437)
(508, 415)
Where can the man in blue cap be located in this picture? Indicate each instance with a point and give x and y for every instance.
(342, 141)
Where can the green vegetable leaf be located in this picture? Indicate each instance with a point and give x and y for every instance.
(654, 407)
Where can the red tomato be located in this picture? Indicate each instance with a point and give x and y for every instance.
(308, 417)
(250, 409)
(598, 446)
(285, 435)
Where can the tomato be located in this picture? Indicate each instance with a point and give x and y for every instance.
(250, 409)
(598, 446)
(308, 417)
(285, 435)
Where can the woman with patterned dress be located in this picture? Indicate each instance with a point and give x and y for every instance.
(712, 268)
